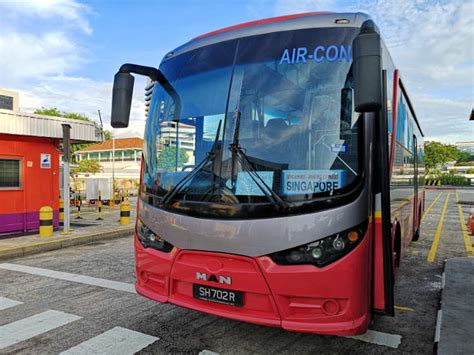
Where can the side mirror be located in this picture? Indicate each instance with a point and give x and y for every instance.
(367, 69)
(346, 114)
(121, 99)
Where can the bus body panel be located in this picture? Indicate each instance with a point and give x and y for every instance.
(300, 298)
(334, 299)
(245, 276)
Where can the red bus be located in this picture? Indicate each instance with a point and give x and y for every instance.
(280, 175)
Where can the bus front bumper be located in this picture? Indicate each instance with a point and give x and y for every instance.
(331, 300)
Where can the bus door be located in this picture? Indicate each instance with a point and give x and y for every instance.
(383, 261)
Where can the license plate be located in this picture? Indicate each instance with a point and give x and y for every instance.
(218, 295)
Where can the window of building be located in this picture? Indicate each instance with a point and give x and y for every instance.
(93, 156)
(128, 155)
(105, 156)
(6, 102)
(10, 174)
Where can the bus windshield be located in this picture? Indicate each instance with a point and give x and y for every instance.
(262, 120)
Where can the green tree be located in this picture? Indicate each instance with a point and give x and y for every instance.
(465, 157)
(87, 166)
(167, 158)
(53, 111)
(48, 111)
(437, 153)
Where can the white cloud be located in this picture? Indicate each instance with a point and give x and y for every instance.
(285, 7)
(39, 63)
(27, 56)
(445, 119)
(433, 45)
(38, 39)
(69, 12)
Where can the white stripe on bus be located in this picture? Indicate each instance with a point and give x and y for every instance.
(24, 329)
(8, 303)
(114, 341)
(66, 276)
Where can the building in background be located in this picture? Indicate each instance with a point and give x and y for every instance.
(9, 100)
(466, 147)
(185, 134)
(128, 154)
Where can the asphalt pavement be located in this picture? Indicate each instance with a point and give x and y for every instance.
(81, 299)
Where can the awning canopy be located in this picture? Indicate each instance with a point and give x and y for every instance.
(29, 124)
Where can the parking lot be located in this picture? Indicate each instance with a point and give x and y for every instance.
(82, 299)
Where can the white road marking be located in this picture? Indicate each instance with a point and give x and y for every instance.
(66, 276)
(114, 341)
(208, 352)
(379, 338)
(439, 319)
(7, 303)
(23, 329)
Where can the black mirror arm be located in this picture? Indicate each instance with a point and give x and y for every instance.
(155, 75)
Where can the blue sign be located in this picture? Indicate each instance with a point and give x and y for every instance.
(297, 182)
(339, 148)
(45, 161)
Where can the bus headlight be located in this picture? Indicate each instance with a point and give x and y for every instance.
(324, 251)
(150, 240)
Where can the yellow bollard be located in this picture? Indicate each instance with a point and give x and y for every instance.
(78, 205)
(99, 203)
(61, 210)
(125, 212)
(46, 221)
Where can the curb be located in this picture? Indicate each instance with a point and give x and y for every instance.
(40, 247)
(439, 314)
(448, 187)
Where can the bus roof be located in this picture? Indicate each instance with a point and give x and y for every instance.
(274, 24)
(261, 22)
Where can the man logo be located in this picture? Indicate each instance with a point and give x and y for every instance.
(213, 278)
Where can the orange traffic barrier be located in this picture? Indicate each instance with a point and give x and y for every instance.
(470, 222)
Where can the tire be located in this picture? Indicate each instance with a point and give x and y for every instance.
(416, 236)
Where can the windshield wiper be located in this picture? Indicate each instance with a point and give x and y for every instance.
(248, 166)
(210, 156)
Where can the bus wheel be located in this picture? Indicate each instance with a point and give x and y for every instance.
(416, 236)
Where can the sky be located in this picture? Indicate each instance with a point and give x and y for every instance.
(64, 53)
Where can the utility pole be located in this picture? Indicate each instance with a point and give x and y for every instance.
(66, 188)
(113, 155)
(113, 164)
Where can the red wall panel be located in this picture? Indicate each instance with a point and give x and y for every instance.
(19, 209)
